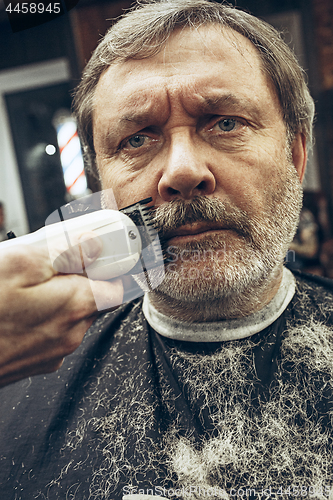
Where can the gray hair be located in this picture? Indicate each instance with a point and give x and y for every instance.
(143, 31)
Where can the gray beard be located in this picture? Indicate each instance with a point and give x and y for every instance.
(219, 279)
(248, 449)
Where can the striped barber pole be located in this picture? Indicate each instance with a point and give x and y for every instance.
(70, 154)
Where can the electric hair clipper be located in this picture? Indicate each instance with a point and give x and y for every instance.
(130, 243)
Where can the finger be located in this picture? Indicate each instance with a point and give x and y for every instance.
(85, 250)
(24, 265)
(85, 297)
(107, 294)
(71, 297)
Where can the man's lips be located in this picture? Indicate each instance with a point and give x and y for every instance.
(194, 229)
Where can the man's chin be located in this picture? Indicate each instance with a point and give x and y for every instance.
(205, 281)
(215, 268)
(207, 294)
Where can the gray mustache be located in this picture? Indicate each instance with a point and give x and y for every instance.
(178, 213)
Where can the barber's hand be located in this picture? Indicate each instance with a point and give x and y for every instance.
(44, 313)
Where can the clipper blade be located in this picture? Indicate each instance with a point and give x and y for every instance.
(152, 246)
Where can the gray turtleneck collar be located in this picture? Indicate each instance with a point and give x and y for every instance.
(230, 329)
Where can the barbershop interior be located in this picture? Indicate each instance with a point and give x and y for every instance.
(41, 162)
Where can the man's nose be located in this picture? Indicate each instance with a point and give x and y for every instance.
(186, 172)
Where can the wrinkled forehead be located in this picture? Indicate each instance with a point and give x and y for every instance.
(212, 42)
(195, 64)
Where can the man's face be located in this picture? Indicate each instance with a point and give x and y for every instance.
(200, 120)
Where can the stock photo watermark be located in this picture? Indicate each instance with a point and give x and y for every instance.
(23, 15)
(206, 264)
(265, 492)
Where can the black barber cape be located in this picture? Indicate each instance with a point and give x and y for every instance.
(111, 421)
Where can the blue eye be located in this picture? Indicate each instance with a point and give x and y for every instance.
(227, 124)
(137, 140)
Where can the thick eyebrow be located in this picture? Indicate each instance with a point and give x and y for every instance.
(137, 117)
(216, 104)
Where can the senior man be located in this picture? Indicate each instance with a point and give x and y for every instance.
(220, 382)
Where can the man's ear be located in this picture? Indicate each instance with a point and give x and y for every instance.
(299, 154)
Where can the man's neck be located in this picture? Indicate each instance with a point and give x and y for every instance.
(252, 300)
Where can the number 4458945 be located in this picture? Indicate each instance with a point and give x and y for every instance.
(34, 8)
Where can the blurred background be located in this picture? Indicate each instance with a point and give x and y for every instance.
(41, 166)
